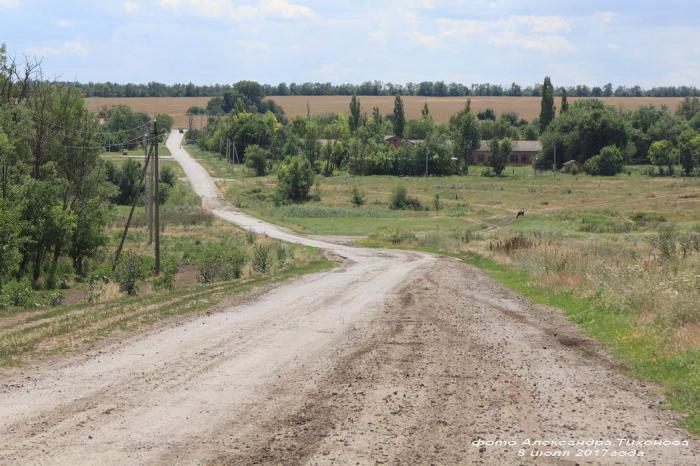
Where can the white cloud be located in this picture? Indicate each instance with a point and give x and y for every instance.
(131, 6)
(9, 4)
(70, 47)
(537, 33)
(227, 9)
(65, 23)
(604, 17)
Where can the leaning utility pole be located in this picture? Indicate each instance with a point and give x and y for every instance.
(156, 196)
(149, 188)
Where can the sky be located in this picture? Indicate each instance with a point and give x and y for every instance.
(625, 42)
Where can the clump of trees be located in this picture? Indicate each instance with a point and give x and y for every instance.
(55, 198)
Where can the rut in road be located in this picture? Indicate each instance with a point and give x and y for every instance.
(394, 357)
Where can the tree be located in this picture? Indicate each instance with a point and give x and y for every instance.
(257, 158)
(608, 163)
(10, 240)
(425, 111)
(662, 153)
(294, 180)
(564, 101)
(582, 132)
(487, 114)
(466, 136)
(547, 104)
(688, 150)
(354, 120)
(399, 120)
(500, 153)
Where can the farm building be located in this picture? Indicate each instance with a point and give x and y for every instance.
(523, 152)
(396, 141)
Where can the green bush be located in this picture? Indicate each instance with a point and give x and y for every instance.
(221, 262)
(401, 200)
(358, 197)
(166, 281)
(56, 298)
(19, 293)
(257, 159)
(294, 180)
(608, 162)
(167, 176)
(261, 257)
(131, 269)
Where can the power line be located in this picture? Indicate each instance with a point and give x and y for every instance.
(67, 146)
(45, 123)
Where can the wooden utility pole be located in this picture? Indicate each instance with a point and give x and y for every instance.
(131, 213)
(149, 188)
(156, 196)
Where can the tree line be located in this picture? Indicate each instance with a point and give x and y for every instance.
(588, 131)
(377, 88)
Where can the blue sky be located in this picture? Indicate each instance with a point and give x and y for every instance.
(500, 41)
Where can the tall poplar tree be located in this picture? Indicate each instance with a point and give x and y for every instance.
(547, 110)
(354, 120)
(399, 116)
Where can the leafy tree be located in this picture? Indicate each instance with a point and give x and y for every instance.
(547, 104)
(257, 158)
(582, 132)
(466, 136)
(689, 150)
(487, 114)
(167, 176)
(662, 153)
(354, 120)
(608, 163)
(399, 120)
(377, 117)
(294, 180)
(10, 240)
(425, 111)
(564, 101)
(500, 152)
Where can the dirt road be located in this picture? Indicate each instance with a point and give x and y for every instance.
(392, 358)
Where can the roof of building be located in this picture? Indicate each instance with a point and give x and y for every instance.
(516, 146)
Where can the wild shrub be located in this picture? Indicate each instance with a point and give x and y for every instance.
(56, 298)
(436, 202)
(166, 281)
(167, 176)
(282, 251)
(19, 293)
(665, 242)
(643, 219)
(131, 269)
(221, 262)
(511, 244)
(261, 257)
(250, 237)
(608, 162)
(358, 197)
(401, 200)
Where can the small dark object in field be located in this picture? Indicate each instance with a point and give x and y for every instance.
(521, 213)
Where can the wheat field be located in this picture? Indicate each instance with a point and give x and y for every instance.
(440, 107)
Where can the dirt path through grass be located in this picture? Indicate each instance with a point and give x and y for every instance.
(395, 357)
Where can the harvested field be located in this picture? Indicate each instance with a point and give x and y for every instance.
(443, 107)
(173, 106)
(440, 107)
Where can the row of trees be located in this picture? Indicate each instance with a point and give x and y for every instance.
(584, 130)
(425, 88)
(648, 134)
